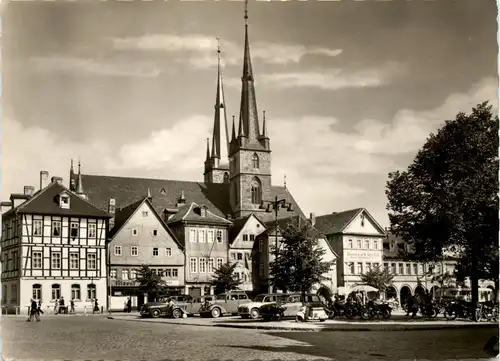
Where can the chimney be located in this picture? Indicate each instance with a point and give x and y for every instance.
(18, 198)
(29, 190)
(5, 206)
(312, 218)
(112, 211)
(56, 180)
(44, 179)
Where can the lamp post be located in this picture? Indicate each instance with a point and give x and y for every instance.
(274, 205)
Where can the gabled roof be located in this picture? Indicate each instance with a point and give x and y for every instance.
(123, 215)
(45, 202)
(192, 214)
(165, 194)
(336, 222)
(238, 225)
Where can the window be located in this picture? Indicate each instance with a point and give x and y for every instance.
(256, 191)
(368, 266)
(192, 265)
(360, 268)
(91, 292)
(226, 177)
(112, 274)
(56, 291)
(133, 274)
(37, 291)
(201, 236)
(210, 268)
(203, 265)
(192, 235)
(91, 261)
(168, 252)
(261, 245)
(118, 250)
(401, 270)
(4, 294)
(233, 254)
(124, 274)
(393, 268)
(64, 202)
(15, 257)
(56, 228)
(13, 293)
(415, 269)
(37, 260)
(261, 270)
(37, 227)
(421, 269)
(375, 265)
(386, 266)
(245, 237)
(359, 243)
(155, 251)
(56, 260)
(350, 268)
(240, 256)
(210, 236)
(134, 232)
(219, 236)
(75, 292)
(349, 243)
(367, 244)
(145, 213)
(175, 273)
(134, 250)
(408, 269)
(255, 161)
(375, 244)
(92, 230)
(74, 260)
(155, 232)
(252, 237)
(75, 226)
(220, 261)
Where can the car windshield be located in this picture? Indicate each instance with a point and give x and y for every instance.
(260, 298)
(220, 297)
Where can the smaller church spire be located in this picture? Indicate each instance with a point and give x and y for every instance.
(79, 183)
(208, 149)
(241, 130)
(264, 128)
(72, 186)
(233, 136)
(149, 196)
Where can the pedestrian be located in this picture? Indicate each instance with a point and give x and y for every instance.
(96, 307)
(72, 305)
(56, 306)
(40, 306)
(129, 305)
(34, 311)
(62, 306)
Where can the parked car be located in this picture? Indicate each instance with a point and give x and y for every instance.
(288, 309)
(251, 309)
(225, 303)
(155, 309)
(194, 305)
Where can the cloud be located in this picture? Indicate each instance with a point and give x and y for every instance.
(94, 66)
(334, 79)
(199, 50)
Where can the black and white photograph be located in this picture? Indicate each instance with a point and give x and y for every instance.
(249, 180)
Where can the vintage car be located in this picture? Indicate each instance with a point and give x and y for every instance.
(289, 309)
(182, 304)
(191, 306)
(225, 303)
(251, 309)
(155, 309)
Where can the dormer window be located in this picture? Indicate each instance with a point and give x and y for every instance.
(64, 201)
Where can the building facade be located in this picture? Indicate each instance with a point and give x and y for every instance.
(53, 247)
(204, 236)
(141, 237)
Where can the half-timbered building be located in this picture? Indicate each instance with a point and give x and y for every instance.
(53, 246)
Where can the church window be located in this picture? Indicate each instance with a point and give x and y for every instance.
(255, 161)
(256, 191)
(226, 177)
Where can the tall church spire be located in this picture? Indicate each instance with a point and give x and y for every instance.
(248, 106)
(220, 140)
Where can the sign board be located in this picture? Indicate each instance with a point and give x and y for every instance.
(354, 255)
(172, 282)
(124, 283)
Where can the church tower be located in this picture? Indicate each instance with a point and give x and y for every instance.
(217, 162)
(249, 151)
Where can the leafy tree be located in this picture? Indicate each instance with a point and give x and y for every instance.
(446, 201)
(377, 277)
(150, 282)
(225, 279)
(300, 264)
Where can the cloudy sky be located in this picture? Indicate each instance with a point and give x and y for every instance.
(351, 89)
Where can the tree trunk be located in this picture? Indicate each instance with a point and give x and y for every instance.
(474, 281)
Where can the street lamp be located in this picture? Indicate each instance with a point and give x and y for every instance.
(274, 205)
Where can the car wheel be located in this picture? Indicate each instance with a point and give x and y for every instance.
(215, 312)
(386, 314)
(176, 313)
(156, 313)
(254, 313)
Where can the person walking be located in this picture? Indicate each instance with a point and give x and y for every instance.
(62, 306)
(72, 304)
(40, 311)
(96, 307)
(129, 305)
(56, 306)
(34, 311)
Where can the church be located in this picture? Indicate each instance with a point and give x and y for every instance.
(236, 185)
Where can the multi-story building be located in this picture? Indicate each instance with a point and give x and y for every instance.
(141, 237)
(204, 236)
(53, 246)
(262, 253)
(357, 238)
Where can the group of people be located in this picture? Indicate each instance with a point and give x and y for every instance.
(35, 310)
(414, 302)
(59, 308)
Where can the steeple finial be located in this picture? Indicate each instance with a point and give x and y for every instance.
(246, 12)
(71, 169)
(284, 181)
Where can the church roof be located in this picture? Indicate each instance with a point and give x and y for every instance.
(165, 194)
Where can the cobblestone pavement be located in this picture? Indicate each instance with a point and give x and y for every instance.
(97, 338)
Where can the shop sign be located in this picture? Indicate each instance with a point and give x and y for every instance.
(172, 282)
(360, 254)
(125, 283)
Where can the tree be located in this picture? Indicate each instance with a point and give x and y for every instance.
(300, 264)
(377, 277)
(150, 282)
(446, 201)
(225, 279)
